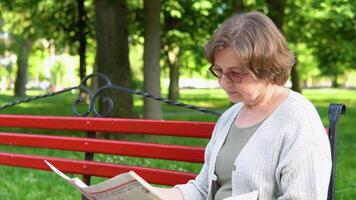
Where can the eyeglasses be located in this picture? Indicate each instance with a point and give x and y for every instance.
(233, 76)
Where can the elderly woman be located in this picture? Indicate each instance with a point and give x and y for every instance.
(271, 144)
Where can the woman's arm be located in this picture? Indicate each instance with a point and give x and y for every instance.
(305, 169)
(306, 179)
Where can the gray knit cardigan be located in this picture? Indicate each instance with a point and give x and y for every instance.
(288, 157)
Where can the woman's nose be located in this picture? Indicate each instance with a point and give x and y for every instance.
(225, 80)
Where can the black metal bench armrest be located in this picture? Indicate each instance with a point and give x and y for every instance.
(335, 110)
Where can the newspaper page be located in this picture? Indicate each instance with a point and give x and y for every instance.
(126, 186)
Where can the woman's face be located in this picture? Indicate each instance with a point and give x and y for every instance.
(239, 85)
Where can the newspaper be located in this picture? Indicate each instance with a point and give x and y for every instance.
(126, 186)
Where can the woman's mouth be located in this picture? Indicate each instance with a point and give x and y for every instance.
(231, 92)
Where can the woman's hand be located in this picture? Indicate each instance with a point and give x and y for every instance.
(169, 193)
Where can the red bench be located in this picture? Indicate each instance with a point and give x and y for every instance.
(116, 147)
(95, 145)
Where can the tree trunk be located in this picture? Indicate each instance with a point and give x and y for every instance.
(239, 6)
(295, 79)
(82, 18)
(335, 82)
(174, 81)
(151, 56)
(173, 61)
(94, 82)
(112, 53)
(22, 68)
(276, 13)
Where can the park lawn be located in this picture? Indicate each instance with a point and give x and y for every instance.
(18, 183)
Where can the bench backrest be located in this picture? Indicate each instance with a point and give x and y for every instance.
(104, 146)
(124, 148)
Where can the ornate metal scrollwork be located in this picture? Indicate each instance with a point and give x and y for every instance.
(93, 96)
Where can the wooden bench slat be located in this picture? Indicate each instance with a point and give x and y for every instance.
(151, 175)
(137, 149)
(132, 126)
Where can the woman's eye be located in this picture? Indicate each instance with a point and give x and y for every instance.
(218, 71)
(235, 74)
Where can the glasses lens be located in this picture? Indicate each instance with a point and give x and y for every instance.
(233, 76)
(237, 77)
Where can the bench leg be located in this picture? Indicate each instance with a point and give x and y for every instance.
(88, 156)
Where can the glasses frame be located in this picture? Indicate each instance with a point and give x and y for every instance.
(238, 77)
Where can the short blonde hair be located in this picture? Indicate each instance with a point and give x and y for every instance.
(258, 42)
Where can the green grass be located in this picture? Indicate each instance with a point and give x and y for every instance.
(19, 183)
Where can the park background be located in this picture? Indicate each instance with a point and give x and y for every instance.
(157, 46)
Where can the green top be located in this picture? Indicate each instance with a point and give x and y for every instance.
(235, 141)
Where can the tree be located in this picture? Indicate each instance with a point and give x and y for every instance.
(239, 6)
(74, 29)
(152, 47)
(326, 28)
(22, 66)
(172, 20)
(29, 21)
(82, 19)
(184, 37)
(23, 33)
(333, 37)
(112, 52)
(276, 11)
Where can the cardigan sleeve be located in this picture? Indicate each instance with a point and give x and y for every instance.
(305, 164)
(306, 177)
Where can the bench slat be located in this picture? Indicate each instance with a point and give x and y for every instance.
(151, 175)
(137, 149)
(132, 126)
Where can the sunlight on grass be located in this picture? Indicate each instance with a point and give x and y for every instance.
(326, 96)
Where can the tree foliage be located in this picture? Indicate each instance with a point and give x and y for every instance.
(328, 28)
(29, 21)
(321, 32)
